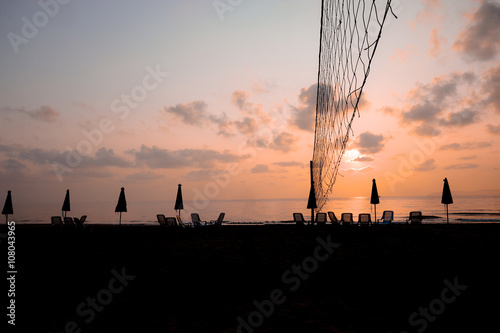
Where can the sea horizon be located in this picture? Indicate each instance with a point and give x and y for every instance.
(466, 209)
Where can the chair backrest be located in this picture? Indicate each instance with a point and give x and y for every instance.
(346, 218)
(333, 218)
(387, 216)
(298, 218)
(195, 218)
(321, 218)
(220, 219)
(170, 221)
(56, 220)
(68, 221)
(161, 219)
(83, 218)
(364, 219)
(415, 217)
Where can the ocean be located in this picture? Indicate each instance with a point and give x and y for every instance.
(465, 209)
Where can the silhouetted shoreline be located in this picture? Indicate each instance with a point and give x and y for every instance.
(203, 280)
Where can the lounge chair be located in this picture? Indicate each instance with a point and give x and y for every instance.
(171, 222)
(161, 220)
(197, 222)
(68, 221)
(182, 224)
(56, 220)
(346, 218)
(299, 219)
(80, 221)
(364, 219)
(387, 217)
(333, 218)
(321, 218)
(219, 220)
(415, 218)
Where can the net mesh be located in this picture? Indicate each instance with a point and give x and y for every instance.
(350, 31)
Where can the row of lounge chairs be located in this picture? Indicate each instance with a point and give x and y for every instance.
(68, 221)
(363, 219)
(195, 221)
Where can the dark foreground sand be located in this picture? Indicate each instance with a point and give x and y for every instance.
(203, 280)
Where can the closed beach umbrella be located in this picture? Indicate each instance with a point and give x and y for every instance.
(7, 207)
(66, 206)
(374, 200)
(121, 206)
(446, 198)
(311, 202)
(178, 200)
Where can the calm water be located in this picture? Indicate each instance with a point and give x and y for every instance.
(466, 209)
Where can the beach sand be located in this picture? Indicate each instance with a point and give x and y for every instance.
(203, 280)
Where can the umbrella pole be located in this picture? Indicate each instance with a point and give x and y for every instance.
(447, 220)
(375, 213)
(312, 216)
(120, 219)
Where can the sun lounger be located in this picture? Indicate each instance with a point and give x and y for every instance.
(171, 222)
(415, 218)
(161, 220)
(364, 219)
(56, 220)
(68, 221)
(299, 219)
(321, 218)
(387, 217)
(197, 222)
(346, 218)
(219, 220)
(333, 218)
(80, 221)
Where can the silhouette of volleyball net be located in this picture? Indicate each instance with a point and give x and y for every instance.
(350, 32)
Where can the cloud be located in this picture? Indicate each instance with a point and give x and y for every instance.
(461, 118)
(479, 40)
(364, 158)
(193, 113)
(461, 166)
(289, 164)
(446, 101)
(144, 175)
(357, 170)
(43, 113)
(368, 143)
(492, 88)
(427, 165)
(466, 145)
(492, 129)
(403, 55)
(283, 142)
(303, 116)
(246, 126)
(436, 42)
(155, 157)
(465, 158)
(260, 168)
(12, 164)
(428, 13)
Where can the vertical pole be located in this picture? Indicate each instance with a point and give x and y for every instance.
(447, 220)
(312, 186)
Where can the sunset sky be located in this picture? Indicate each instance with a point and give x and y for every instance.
(148, 94)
